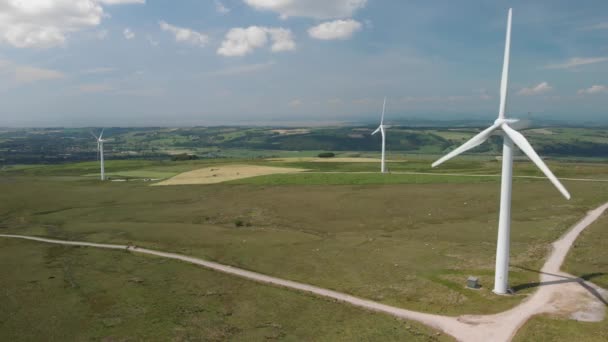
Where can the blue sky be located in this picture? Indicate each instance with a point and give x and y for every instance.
(195, 62)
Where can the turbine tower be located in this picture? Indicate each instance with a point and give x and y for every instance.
(100, 142)
(510, 137)
(382, 131)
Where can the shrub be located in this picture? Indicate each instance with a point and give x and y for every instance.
(326, 155)
(183, 156)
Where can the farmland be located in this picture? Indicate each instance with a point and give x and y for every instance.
(32, 146)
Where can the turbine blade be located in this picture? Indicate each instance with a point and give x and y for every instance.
(504, 82)
(525, 146)
(93, 134)
(376, 131)
(101, 135)
(472, 143)
(383, 108)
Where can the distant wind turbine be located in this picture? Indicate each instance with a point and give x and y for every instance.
(510, 137)
(382, 131)
(100, 142)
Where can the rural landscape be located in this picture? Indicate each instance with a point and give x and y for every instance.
(409, 238)
(169, 174)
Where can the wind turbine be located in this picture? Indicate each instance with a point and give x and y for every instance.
(100, 142)
(382, 131)
(510, 137)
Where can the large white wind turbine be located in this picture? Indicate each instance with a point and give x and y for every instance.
(100, 142)
(510, 137)
(382, 131)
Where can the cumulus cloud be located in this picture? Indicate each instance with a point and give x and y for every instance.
(541, 88)
(242, 41)
(282, 39)
(185, 35)
(594, 89)
(220, 8)
(128, 33)
(577, 61)
(46, 24)
(338, 29)
(318, 9)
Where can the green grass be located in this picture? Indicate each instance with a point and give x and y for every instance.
(145, 173)
(58, 293)
(588, 256)
(355, 179)
(550, 329)
(410, 244)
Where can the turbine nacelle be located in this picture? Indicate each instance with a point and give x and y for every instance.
(504, 124)
(380, 128)
(500, 121)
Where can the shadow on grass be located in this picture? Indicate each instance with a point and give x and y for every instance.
(580, 280)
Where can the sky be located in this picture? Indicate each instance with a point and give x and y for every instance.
(243, 62)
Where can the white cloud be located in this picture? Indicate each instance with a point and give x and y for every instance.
(295, 103)
(220, 8)
(185, 35)
(282, 39)
(242, 41)
(152, 41)
(47, 23)
(338, 29)
(128, 33)
(577, 61)
(594, 89)
(318, 9)
(540, 88)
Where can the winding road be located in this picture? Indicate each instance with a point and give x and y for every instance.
(558, 292)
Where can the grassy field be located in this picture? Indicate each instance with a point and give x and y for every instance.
(589, 256)
(411, 243)
(78, 294)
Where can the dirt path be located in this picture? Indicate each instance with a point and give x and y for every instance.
(559, 292)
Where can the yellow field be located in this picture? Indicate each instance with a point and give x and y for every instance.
(219, 174)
